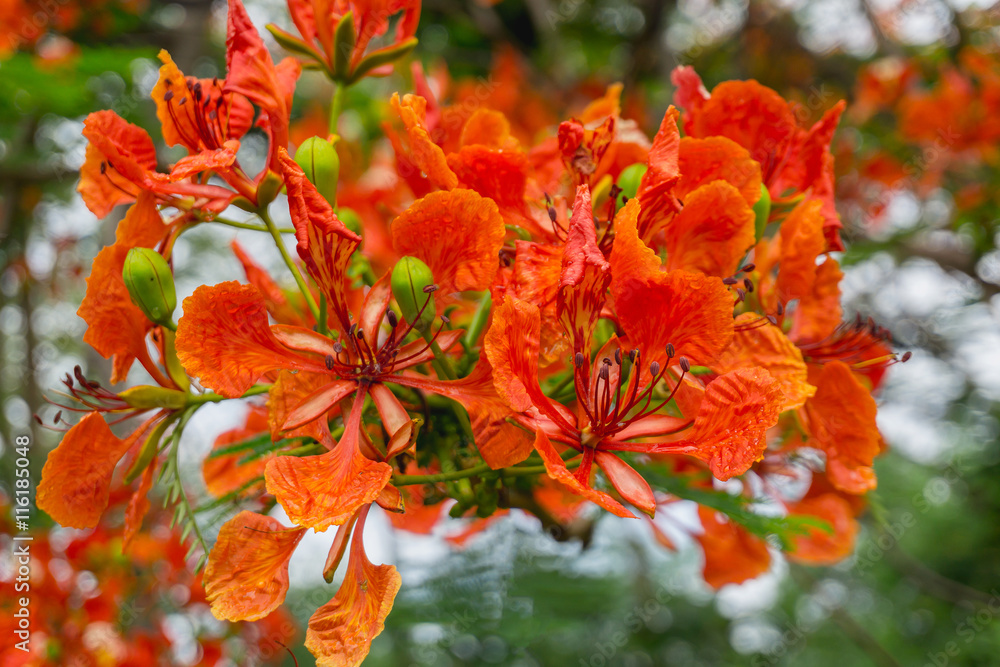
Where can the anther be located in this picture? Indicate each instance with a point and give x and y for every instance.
(430, 288)
(329, 362)
(338, 348)
(391, 316)
(446, 319)
(906, 357)
(772, 319)
(748, 268)
(167, 96)
(748, 284)
(578, 359)
(729, 281)
(552, 213)
(618, 357)
(685, 365)
(781, 309)
(654, 368)
(633, 354)
(670, 351)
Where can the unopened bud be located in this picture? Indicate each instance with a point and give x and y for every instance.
(412, 283)
(762, 211)
(321, 164)
(147, 397)
(630, 178)
(351, 220)
(150, 284)
(268, 189)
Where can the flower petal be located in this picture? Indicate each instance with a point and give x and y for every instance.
(118, 151)
(424, 153)
(713, 231)
(818, 547)
(458, 234)
(732, 554)
(627, 481)
(717, 158)
(655, 192)
(76, 477)
(341, 631)
(558, 471)
(246, 577)
(768, 348)
(224, 339)
(802, 242)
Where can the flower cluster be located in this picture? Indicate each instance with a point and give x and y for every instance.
(498, 320)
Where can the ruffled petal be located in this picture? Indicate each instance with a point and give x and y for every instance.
(225, 340)
(424, 153)
(118, 151)
(717, 158)
(802, 242)
(458, 234)
(655, 192)
(841, 422)
(246, 577)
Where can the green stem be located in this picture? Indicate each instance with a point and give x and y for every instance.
(212, 397)
(478, 322)
(251, 226)
(299, 280)
(178, 485)
(336, 105)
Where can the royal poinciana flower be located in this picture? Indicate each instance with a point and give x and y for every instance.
(336, 34)
(687, 316)
(206, 116)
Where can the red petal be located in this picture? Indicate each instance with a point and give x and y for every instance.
(732, 555)
(558, 471)
(627, 481)
(713, 231)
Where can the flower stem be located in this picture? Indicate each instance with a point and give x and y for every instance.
(299, 280)
(336, 105)
(250, 226)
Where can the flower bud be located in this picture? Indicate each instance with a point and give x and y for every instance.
(412, 286)
(630, 178)
(150, 285)
(321, 164)
(268, 189)
(351, 220)
(147, 397)
(762, 209)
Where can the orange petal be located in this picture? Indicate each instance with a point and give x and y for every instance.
(511, 346)
(819, 312)
(424, 153)
(297, 400)
(767, 347)
(324, 243)
(120, 146)
(802, 242)
(734, 416)
(500, 175)
(663, 171)
(713, 231)
(325, 490)
(535, 278)
(732, 555)
(246, 577)
(76, 477)
(841, 418)
(486, 127)
(558, 471)
(691, 311)
(819, 547)
(458, 234)
(717, 158)
(341, 631)
(225, 340)
(115, 326)
(627, 481)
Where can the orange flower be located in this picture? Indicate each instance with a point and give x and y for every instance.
(793, 159)
(615, 405)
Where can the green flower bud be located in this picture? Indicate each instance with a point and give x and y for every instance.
(762, 209)
(150, 285)
(351, 220)
(268, 189)
(319, 160)
(147, 397)
(413, 286)
(630, 178)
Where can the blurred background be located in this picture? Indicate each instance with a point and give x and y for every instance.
(919, 194)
